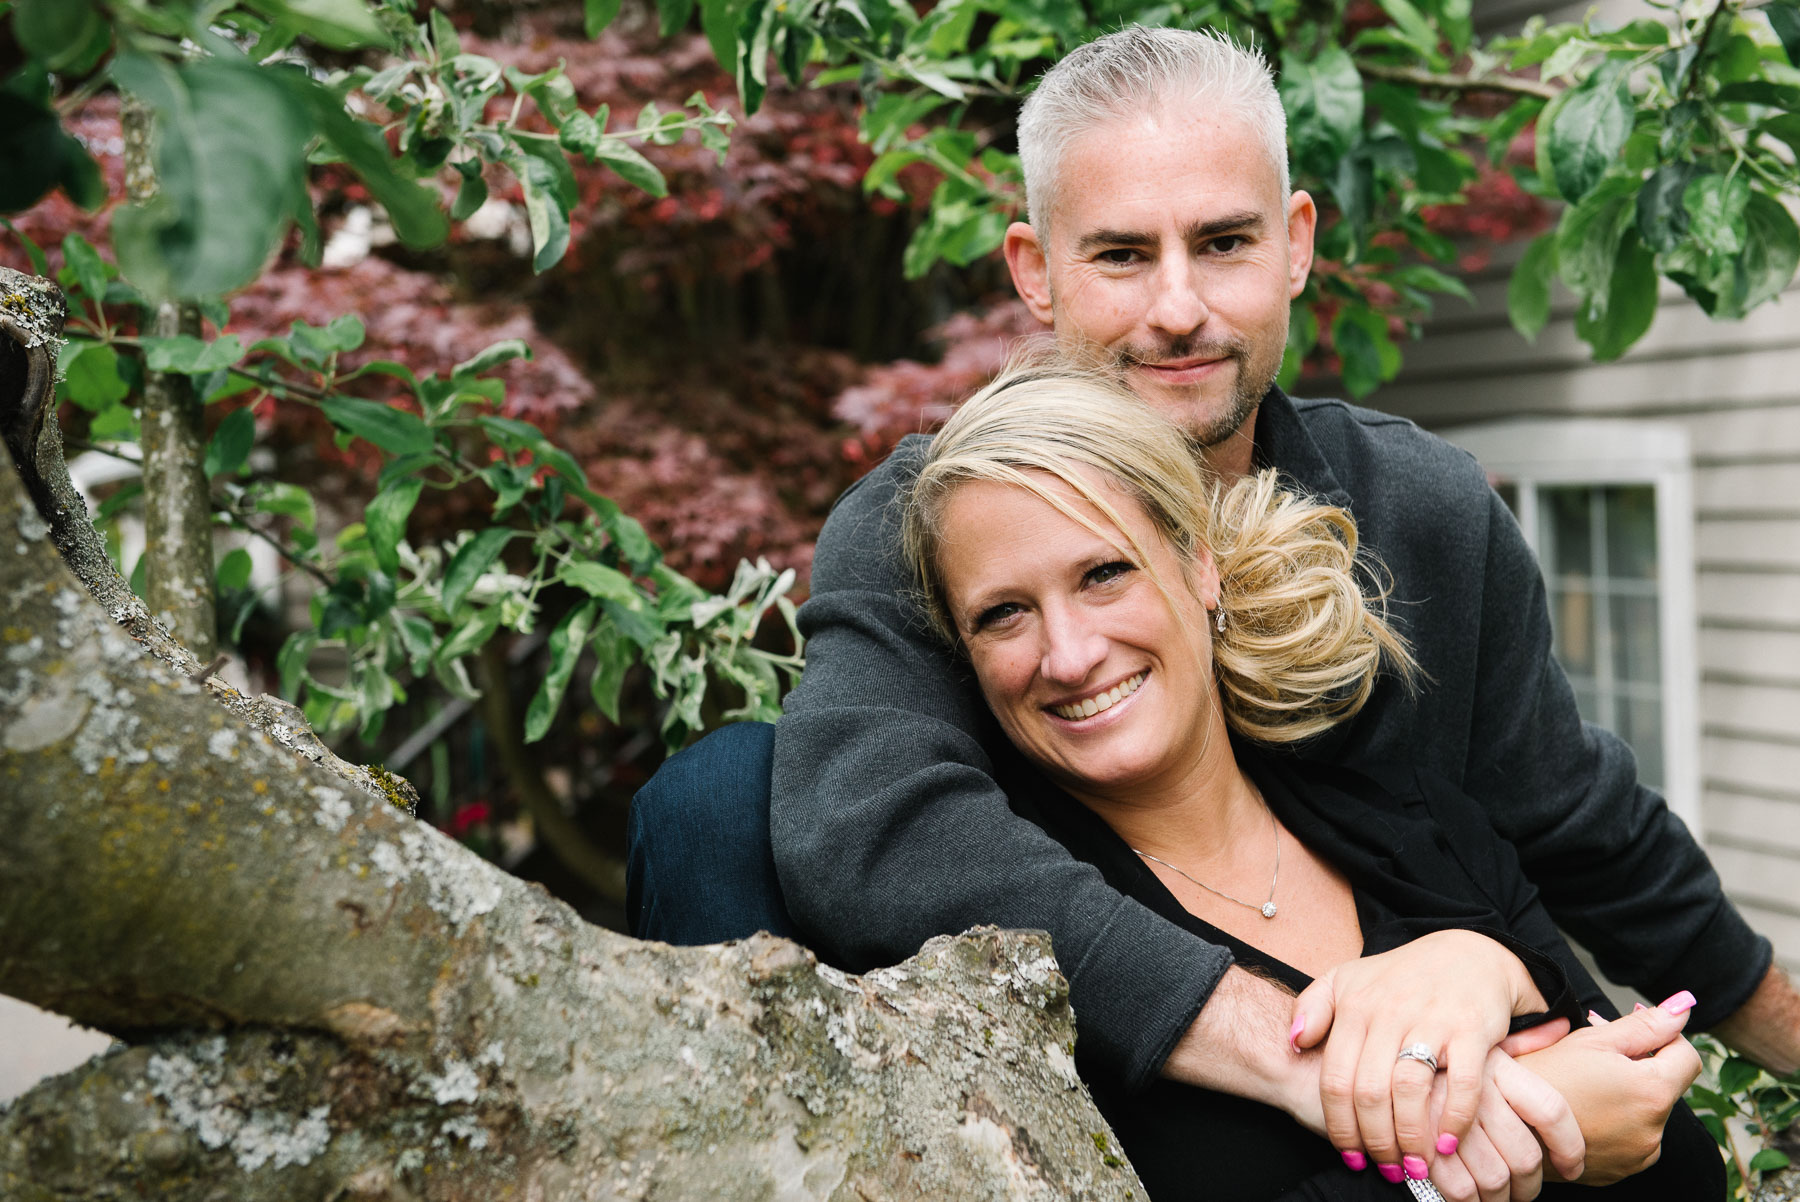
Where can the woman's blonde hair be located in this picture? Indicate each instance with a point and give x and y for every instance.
(1303, 642)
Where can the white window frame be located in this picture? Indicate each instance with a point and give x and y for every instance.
(1533, 452)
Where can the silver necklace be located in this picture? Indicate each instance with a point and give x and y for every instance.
(1268, 909)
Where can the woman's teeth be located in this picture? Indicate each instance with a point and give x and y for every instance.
(1095, 705)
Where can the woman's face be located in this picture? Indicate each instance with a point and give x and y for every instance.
(1090, 671)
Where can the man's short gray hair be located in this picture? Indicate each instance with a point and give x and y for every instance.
(1132, 70)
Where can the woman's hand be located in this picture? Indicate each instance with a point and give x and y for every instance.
(1501, 1159)
(1455, 992)
(1622, 1079)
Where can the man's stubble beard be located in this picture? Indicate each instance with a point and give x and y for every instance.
(1247, 390)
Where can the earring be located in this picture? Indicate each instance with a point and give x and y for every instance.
(1220, 626)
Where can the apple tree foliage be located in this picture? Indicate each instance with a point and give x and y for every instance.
(1670, 143)
(244, 99)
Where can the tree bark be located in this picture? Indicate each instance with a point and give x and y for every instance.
(324, 999)
(178, 579)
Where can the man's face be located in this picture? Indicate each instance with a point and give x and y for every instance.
(1173, 253)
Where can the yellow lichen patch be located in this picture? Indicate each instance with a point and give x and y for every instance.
(162, 785)
(195, 809)
(259, 786)
(15, 634)
(389, 784)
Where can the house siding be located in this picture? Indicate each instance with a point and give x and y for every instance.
(1735, 388)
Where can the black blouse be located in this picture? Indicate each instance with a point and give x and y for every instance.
(1420, 856)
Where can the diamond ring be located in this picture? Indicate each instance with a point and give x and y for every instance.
(1421, 1053)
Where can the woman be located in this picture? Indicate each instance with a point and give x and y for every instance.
(1148, 642)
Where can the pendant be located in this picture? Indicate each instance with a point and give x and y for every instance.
(1268, 909)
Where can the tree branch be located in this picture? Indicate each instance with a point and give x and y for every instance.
(1510, 85)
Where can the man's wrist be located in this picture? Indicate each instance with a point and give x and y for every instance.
(1239, 1045)
(1767, 1027)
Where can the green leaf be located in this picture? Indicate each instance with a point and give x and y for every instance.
(230, 168)
(281, 499)
(91, 375)
(599, 14)
(470, 562)
(1767, 1160)
(234, 570)
(291, 661)
(83, 262)
(35, 253)
(1716, 205)
(1412, 25)
(1784, 19)
(1584, 129)
(189, 356)
(1323, 97)
(40, 155)
(674, 15)
(339, 24)
(471, 195)
(628, 535)
(413, 208)
(1365, 349)
(633, 167)
(385, 519)
(601, 582)
(492, 357)
(471, 636)
(1771, 250)
(550, 192)
(1662, 217)
(230, 444)
(1629, 306)
(57, 32)
(1528, 292)
(567, 641)
(615, 654)
(719, 21)
(393, 430)
(316, 344)
(1587, 237)
(1736, 1075)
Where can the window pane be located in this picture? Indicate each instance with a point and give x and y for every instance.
(1572, 618)
(1631, 532)
(1566, 530)
(1640, 724)
(1636, 639)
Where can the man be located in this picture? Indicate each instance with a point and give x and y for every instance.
(1163, 236)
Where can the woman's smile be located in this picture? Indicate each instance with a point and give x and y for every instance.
(1101, 702)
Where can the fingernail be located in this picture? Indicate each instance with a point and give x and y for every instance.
(1296, 1031)
(1594, 1017)
(1681, 1003)
(1446, 1144)
(1389, 1172)
(1416, 1168)
(1637, 1006)
(1355, 1160)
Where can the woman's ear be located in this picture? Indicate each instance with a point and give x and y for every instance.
(1203, 577)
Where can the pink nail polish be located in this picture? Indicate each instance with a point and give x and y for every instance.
(1637, 1006)
(1446, 1144)
(1296, 1031)
(1594, 1017)
(1416, 1167)
(1681, 1003)
(1354, 1160)
(1389, 1173)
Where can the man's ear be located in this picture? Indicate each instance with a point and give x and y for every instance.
(1030, 270)
(1303, 220)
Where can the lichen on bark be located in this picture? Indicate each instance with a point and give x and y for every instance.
(321, 998)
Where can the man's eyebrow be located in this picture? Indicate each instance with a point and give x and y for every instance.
(1248, 221)
(1100, 238)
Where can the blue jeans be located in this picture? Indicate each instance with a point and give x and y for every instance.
(699, 867)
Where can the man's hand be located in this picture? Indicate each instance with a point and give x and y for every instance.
(1456, 993)
(1767, 1027)
(1621, 1079)
(1239, 1045)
